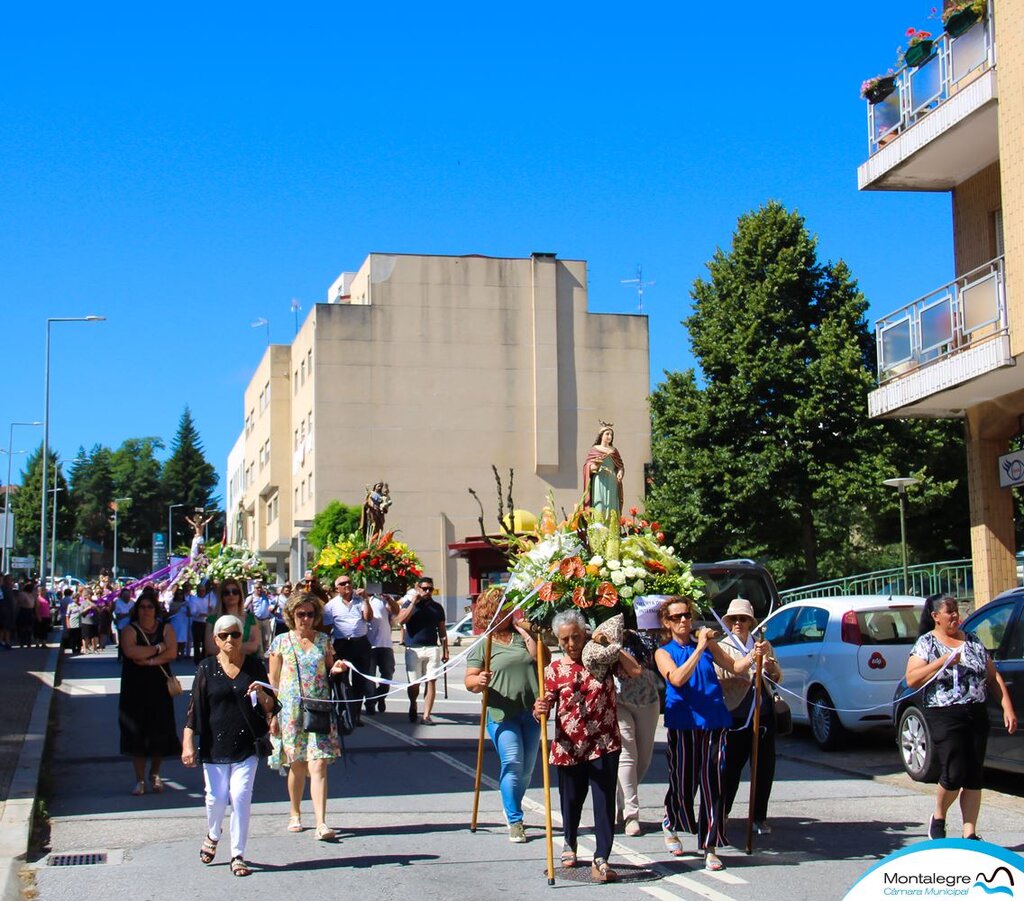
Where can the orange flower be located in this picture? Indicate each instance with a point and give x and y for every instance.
(654, 566)
(548, 592)
(633, 511)
(607, 596)
(593, 569)
(580, 599)
(572, 568)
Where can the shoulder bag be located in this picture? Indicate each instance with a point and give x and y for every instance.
(260, 742)
(316, 714)
(173, 685)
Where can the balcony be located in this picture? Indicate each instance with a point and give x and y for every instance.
(938, 127)
(946, 351)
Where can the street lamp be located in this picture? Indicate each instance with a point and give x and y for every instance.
(117, 502)
(170, 510)
(46, 435)
(7, 493)
(53, 543)
(901, 485)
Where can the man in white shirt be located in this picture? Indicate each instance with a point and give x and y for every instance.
(198, 609)
(382, 651)
(348, 616)
(259, 604)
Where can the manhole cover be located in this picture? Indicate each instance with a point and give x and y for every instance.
(83, 859)
(627, 873)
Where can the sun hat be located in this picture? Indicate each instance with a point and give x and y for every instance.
(740, 607)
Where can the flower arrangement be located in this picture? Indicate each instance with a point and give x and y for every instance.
(879, 87)
(596, 563)
(976, 6)
(914, 36)
(380, 558)
(235, 561)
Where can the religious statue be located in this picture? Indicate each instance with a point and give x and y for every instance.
(375, 508)
(198, 539)
(602, 473)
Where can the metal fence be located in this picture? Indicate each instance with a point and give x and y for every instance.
(955, 577)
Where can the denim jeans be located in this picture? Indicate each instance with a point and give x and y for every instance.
(516, 740)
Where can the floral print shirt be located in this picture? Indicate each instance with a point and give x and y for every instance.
(962, 682)
(586, 726)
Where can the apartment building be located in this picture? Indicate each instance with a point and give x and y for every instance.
(955, 123)
(422, 371)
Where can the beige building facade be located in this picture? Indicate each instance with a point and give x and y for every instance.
(956, 124)
(422, 372)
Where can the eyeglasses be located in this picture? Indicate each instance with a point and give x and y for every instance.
(224, 636)
(230, 591)
(304, 614)
(342, 584)
(678, 617)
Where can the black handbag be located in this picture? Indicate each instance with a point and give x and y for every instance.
(316, 714)
(783, 715)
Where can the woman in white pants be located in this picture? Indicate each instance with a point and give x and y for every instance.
(223, 730)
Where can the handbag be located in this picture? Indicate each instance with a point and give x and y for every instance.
(173, 684)
(783, 715)
(316, 714)
(262, 743)
(343, 710)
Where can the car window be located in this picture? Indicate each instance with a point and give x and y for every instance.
(989, 624)
(810, 625)
(1014, 647)
(775, 628)
(723, 585)
(888, 626)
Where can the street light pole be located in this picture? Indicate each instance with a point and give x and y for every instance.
(53, 543)
(901, 485)
(117, 504)
(46, 434)
(9, 539)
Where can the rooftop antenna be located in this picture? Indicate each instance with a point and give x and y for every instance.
(640, 285)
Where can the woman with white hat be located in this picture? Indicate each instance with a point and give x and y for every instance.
(739, 696)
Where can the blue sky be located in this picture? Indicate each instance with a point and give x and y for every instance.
(184, 169)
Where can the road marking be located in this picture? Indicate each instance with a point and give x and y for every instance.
(659, 893)
(691, 885)
(726, 877)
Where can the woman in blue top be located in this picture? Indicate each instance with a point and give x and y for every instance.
(698, 722)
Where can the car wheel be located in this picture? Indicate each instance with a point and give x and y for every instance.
(828, 732)
(917, 752)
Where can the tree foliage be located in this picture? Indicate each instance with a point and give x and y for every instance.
(92, 490)
(769, 452)
(25, 502)
(135, 472)
(335, 520)
(188, 478)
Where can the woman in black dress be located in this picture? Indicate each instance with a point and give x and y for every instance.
(146, 709)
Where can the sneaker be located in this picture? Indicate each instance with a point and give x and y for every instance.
(517, 833)
(632, 827)
(762, 828)
(936, 828)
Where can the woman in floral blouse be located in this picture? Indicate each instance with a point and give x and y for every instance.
(956, 672)
(585, 750)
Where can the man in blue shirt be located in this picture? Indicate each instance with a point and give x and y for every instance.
(426, 644)
(348, 616)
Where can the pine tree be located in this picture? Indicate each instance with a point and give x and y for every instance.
(25, 502)
(188, 478)
(92, 491)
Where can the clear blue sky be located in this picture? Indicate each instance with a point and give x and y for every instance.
(186, 168)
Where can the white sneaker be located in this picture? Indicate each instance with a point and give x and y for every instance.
(517, 833)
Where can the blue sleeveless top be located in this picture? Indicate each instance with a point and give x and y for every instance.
(699, 703)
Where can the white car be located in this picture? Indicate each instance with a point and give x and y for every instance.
(462, 630)
(842, 658)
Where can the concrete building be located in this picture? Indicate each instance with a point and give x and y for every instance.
(955, 123)
(422, 371)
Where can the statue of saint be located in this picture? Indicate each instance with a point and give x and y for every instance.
(375, 508)
(602, 473)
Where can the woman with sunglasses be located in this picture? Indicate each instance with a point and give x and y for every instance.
(301, 662)
(221, 729)
(231, 599)
(145, 708)
(698, 722)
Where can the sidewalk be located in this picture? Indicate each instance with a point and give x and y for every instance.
(27, 677)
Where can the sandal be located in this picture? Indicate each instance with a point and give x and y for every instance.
(140, 788)
(208, 851)
(672, 843)
(713, 862)
(601, 872)
(568, 858)
(325, 833)
(239, 867)
(158, 784)
(295, 824)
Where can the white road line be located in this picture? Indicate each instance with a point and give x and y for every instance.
(726, 877)
(659, 893)
(691, 885)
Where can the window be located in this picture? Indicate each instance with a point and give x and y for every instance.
(296, 439)
(296, 503)
(309, 361)
(272, 510)
(310, 422)
(776, 628)
(265, 397)
(302, 372)
(303, 494)
(990, 624)
(809, 625)
(295, 383)
(1015, 643)
(311, 486)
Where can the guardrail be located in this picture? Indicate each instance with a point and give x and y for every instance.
(953, 576)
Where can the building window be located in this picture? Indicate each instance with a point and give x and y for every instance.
(296, 504)
(296, 439)
(309, 361)
(302, 372)
(310, 422)
(310, 486)
(272, 510)
(295, 383)
(997, 229)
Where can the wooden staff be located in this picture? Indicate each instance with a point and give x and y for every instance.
(446, 685)
(480, 744)
(753, 754)
(545, 766)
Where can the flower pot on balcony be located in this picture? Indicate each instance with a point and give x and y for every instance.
(960, 21)
(918, 54)
(881, 89)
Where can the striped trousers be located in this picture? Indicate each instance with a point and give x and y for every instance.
(696, 761)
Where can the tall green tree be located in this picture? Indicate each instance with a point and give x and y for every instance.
(135, 472)
(769, 452)
(25, 502)
(329, 524)
(187, 478)
(92, 491)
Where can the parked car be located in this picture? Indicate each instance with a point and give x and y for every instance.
(462, 630)
(841, 659)
(729, 579)
(1000, 626)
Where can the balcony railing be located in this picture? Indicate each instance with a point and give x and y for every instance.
(951, 319)
(919, 90)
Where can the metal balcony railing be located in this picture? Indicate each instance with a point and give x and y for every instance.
(921, 89)
(952, 319)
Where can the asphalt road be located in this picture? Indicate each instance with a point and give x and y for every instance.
(401, 804)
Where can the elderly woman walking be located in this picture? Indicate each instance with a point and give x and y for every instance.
(301, 661)
(585, 750)
(224, 730)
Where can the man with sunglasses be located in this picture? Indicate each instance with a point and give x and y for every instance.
(347, 615)
(426, 644)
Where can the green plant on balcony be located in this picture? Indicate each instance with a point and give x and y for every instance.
(960, 15)
(919, 48)
(875, 90)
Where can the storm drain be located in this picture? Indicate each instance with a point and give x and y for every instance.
(83, 859)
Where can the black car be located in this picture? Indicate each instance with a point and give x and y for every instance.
(1000, 626)
(730, 579)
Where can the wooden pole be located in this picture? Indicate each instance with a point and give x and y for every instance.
(755, 740)
(545, 766)
(480, 743)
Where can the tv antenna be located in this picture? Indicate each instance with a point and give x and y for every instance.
(640, 285)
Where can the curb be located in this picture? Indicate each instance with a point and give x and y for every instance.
(16, 823)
